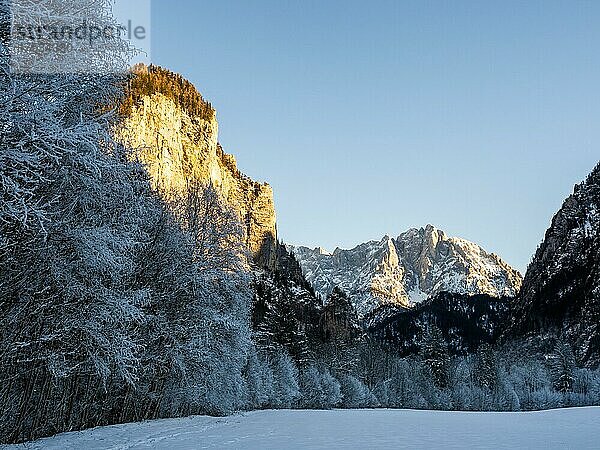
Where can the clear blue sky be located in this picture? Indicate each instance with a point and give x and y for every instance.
(368, 118)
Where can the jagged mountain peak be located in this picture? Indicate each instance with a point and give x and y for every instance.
(407, 270)
(431, 232)
(322, 251)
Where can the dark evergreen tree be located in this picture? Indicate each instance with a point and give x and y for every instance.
(434, 352)
(485, 372)
(562, 367)
(286, 312)
(341, 333)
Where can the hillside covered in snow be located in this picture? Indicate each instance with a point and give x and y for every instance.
(407, 270)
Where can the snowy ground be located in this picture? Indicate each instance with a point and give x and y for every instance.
(371, 429)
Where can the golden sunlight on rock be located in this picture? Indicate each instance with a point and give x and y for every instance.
(178, 144)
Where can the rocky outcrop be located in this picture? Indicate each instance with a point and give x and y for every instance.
(286, 312)
(561, 290)
(407, 270)
(339, 320)
(174, 134)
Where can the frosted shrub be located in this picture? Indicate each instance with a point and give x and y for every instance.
(355, 394)
(286, 385)
(311, 388)
(331, 390)
(260, 381)
(320, 390)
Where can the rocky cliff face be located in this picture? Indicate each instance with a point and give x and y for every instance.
(407, 270)
(175, 135)
(561, 290)
(286, 311)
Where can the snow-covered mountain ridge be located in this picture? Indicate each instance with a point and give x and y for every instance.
(407, 270)
(561, 290)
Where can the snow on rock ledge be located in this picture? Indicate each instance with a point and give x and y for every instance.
(407, 270)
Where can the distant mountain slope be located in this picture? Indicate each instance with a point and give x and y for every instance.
(465, 321)
(561, 290)
(407, 270)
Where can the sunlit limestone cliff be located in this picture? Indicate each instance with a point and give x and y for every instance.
(407, 270)
(174, 133)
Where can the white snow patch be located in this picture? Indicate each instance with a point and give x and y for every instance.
(588, 228)
(416, 296)
(359, 429)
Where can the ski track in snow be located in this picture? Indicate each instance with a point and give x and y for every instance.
(577, 428)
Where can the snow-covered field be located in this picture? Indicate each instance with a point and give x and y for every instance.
(357, 429)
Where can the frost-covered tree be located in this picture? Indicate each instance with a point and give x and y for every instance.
(331, 389)
(562, 366)
(434, 351)
(65, 246)
(260, 381)
(586, 388)
(594, 389)
(485, 372)
(311, 388)
(355, 394)
(286, 384)
(319, 389)
(464, 396)
(112, 308)
(214, 227)
(530, 378)
(506, 397)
